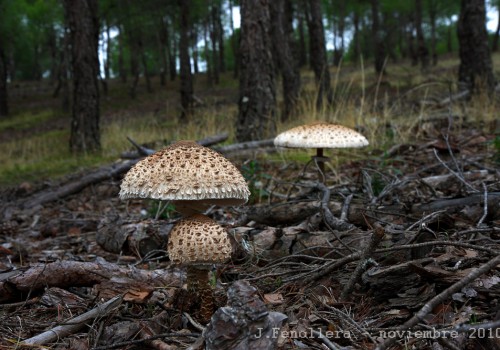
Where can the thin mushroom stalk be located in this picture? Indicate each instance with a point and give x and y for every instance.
(320, 160)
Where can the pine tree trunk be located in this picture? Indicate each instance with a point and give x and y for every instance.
(282, 35)
(206, 34)
(423, 52)
(257, 101)
(220, 38)
(186, 76)
(356, 48)
(476, 69)
(377, 40)
(171, 52)
(4, 109)
(84, 33)
(214, 40)
(318, 57)
(497, 33)
(163, 46)
(432, 17)
(122, 72)
(302, 42)
(234, 41)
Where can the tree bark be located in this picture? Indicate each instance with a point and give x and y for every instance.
(62, 73)
(355, 38)
(257, 101)
(209, 70)
(122, 72)
(378, 43)
(172, 54)
(476, 69)
(214, 40)
(186, 77)
(84, 33)
(144, 62)
(4, 108)
(432, 16)
(220, 38)
(234, 41)
(302, 42)
(163, 46)
(494, 47)
(282, 34)
(423, 52)
(318, 57)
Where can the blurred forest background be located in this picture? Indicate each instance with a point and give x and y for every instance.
(78, 76)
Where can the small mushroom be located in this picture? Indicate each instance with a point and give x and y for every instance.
(193, 177)
(320, 135)
(198, 243)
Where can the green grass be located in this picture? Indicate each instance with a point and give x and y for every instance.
(26, 120)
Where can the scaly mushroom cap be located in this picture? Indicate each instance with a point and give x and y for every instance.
(186, 172)
(198, 240)
(320, 135)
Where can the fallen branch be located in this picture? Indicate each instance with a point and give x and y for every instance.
(372, 244)
(330, 219)
(245, 146)
(75, 273)
(73, 325)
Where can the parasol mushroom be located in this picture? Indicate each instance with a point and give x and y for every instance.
(320, 135)
(193, 177)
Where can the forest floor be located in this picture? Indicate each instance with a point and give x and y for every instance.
(400, 250)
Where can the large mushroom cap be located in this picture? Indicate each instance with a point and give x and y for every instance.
(198, 240)
(320, 135)
(186, 172)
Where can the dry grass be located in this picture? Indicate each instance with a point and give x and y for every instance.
(387, 110)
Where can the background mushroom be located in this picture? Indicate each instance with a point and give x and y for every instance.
(193, 177)
(198, 242)
(320, 135)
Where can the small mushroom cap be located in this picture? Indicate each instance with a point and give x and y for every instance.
(320, 135)
(198, 240)
(186, 171)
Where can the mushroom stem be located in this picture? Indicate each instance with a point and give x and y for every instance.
(321, 164)
(198, 283)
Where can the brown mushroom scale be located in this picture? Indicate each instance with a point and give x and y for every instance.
(186, 171)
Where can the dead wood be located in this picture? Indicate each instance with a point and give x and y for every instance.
(73, 325)
(283, 213)
(107, 172)
(464, 94)
(376, 238)
(132, 238)
(243, 146)
(73, 273)
(451, 204)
